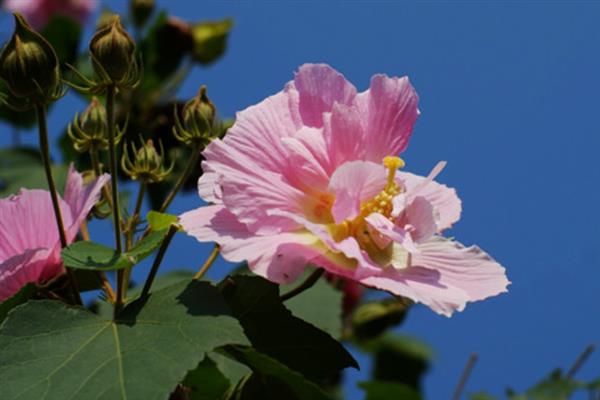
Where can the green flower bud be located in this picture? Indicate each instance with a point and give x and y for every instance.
(198, 124)
(89, 129)
(112, 50)
(141, 11)
(28, 63)
(147, 164)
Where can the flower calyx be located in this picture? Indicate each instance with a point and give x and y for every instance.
(29, 66)
(147, 164)
(199, 124)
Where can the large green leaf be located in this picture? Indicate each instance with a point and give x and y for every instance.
(21, 167)
(274, 331)
(96, 256)
(26, 293)
(271, 380)
(327, 315)
(206, 382)
(382, 390)
(53, 351)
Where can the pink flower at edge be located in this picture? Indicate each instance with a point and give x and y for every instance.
(309, 176)
(39, 12)
(29, 241)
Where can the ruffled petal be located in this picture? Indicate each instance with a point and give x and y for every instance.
(417, 216)
(81, 198)
(352, 183)
(443, 199)
(309, 160)
(468, 268)
(389, 111)
(27, 221)
(31, 266)
(249, 191)
(280, 258)
(345, 135)
(320, 87)
(388, 229)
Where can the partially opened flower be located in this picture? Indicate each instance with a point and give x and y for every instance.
(39, 12)
(310, 176)
(29, 241)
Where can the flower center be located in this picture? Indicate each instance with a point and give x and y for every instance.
(381, 203)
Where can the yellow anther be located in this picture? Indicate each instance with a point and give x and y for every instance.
(392, 163)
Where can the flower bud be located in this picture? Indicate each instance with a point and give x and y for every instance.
(141, 11)
(89, 130)
(28, 63)
(198, 125)
(112, 50)
(147, 164)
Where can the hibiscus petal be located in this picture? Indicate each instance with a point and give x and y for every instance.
(352, 183)
(31, 266)
(309, 160)
(27, 221)
(249, 191)
(388, 229)
(468, 268)
(444, 199)
(389, 111)
(81, 198)
(320, 87)
(280, 258)
(344, 135)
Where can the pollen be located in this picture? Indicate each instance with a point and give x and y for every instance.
(382, 203)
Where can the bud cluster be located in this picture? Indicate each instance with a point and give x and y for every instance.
(199, 124)
(147, 164)
(89, 130)
(29, 66)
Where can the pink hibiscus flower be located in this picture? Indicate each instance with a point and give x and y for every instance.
(310, 176)
(29, 241)
(39, 12)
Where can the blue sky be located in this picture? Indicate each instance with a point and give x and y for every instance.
(510, 98)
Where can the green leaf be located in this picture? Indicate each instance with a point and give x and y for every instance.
(53, 351)
(21, 167)
(95, 256)
(382, 390)
(27, 292)
(159, 221)
(272, 380)
(327, 315)
(398, 358)
(206, 382)
(555, 386)
(274, 331)
(372, 319)
(210, 40)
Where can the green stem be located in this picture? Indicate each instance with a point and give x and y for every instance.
(139, 202)
(307, 284)
(192, 163)
(45, 154)
(112, 152)
(208, 263)
(159, 256)
(465, 376)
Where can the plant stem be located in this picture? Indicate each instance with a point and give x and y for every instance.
(208, 263)
(307, 284)
(112, 152)
(159, 256)
(580, 360)
(192, 163)
(139, 201)
(465, 376)
(45, 154)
